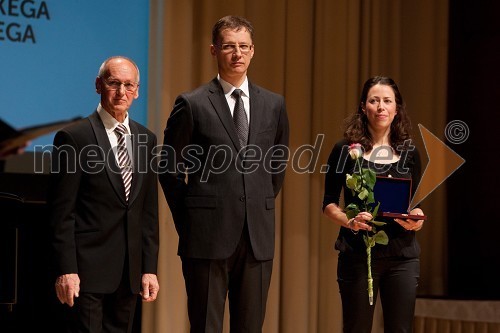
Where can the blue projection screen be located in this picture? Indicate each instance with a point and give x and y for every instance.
(50, 52)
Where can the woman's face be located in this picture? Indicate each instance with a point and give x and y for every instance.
(380, 107)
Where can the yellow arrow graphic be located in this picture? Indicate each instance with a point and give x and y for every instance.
(443, 161)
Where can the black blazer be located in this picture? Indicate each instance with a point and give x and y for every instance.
(221, 192)
(93, 226)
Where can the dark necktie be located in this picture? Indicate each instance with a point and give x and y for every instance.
(124, 159)
(240, 118)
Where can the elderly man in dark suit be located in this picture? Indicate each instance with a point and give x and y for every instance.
(229, 138)
(104, 209)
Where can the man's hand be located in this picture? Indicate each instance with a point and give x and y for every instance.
(67, 288)
(150, 287)
(14, 151)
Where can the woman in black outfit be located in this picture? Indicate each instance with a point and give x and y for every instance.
(382, 127)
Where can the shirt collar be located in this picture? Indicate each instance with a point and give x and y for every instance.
(109, 122)
(229, 88)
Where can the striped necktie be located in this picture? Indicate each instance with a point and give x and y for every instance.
(240, 118)
(124, 159)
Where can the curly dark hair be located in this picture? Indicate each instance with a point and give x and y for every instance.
(356, 125)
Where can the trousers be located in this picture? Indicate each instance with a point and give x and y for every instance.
(395, 279)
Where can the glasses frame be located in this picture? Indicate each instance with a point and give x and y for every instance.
(234, 47)
(124, 84)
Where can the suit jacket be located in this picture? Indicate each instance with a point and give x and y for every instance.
(222, 191)
(95, 230)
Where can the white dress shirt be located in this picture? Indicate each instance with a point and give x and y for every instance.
(231, 101)
(110, 124)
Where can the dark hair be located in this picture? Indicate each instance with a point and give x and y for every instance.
(230, 22)
(356, 126)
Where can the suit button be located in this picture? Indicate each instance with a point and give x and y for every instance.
(242, 198)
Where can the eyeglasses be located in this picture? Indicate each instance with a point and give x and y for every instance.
(232, 48)
(117, 85)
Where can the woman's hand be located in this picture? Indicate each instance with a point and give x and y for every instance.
(410, 224)
(360, 222)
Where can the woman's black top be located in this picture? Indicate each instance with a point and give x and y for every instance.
(402, 243)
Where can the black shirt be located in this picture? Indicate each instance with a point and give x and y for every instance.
(402, 243)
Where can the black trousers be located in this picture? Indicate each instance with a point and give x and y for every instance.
(395, 278)
(241, 277)
(105, 313)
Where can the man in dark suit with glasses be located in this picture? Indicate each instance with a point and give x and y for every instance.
(224, 161)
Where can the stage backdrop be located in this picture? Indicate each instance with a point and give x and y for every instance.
(50, 52)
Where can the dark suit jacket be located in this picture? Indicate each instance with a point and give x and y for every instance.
(210, 209)
(94, 227)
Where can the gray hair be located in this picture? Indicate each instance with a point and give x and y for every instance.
(103, 70)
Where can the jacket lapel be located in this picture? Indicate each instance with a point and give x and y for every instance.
(256, 109)
(219, 103)
(137, 159)
(110, 164)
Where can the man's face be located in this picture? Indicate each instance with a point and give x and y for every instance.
(119, 89)
(234, 53)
